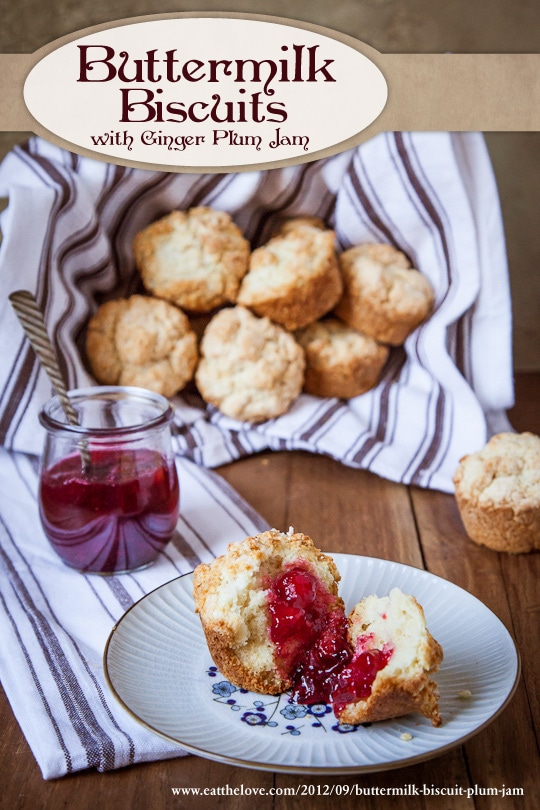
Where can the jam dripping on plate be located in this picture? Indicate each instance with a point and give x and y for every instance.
(310, 631)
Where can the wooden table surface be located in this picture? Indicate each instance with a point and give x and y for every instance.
(349, 511)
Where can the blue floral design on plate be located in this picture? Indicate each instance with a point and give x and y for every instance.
(224, 689)
(276, 712)
(294, 711)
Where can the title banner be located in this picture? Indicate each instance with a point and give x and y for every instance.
(205, 92)
(224, 92)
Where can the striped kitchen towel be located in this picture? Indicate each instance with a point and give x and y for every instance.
(54, 622)
(68, 231)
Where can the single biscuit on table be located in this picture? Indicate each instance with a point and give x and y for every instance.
(194, 258)
(389, 636)
(244, 598)
(340, 361)
(142, 341)
(383, 296)
(294, 278)
(498, 493)
(250, 368)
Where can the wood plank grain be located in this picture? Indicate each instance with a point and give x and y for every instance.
(506, 752)
(342, 509)
(522, 577)
(352, 511)
(263, 480)
(225, 786)
(137, 787)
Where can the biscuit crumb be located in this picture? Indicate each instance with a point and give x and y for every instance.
(465, 694)
(406, 736)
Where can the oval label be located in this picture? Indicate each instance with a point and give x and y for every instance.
(205, 92)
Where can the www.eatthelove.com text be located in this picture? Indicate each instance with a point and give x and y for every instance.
(339, 789)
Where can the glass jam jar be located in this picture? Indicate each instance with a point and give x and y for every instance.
(108, 492)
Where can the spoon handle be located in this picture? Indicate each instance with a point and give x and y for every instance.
(31, 318)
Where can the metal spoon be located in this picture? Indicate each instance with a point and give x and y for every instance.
(31, 318)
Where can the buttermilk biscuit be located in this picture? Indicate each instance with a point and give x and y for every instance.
(142, 341)
(498, 493)
(340, 362)
(194, 258)
(293, 279)
(395, 627)
(250, 368)
(383, 295)
(232, 596)
(288, 225)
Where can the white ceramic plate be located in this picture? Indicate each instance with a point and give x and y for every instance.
(159, 668)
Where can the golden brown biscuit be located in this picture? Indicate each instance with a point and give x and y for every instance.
(231, 598)
(395, 626)
(194, 258)
(250, 368)
(498, 493)
(294, 279)
(142, 341)
(340, 361)
(383, 295)
(292, 224)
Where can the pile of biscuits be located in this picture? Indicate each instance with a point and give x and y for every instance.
(291, 315)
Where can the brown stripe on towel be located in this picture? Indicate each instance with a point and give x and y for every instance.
(22, 382)
(38, 687)
(436, 219)
(97, 744)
